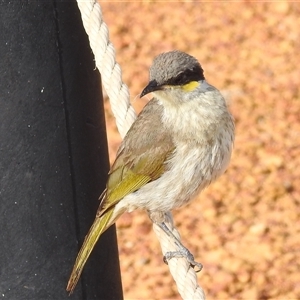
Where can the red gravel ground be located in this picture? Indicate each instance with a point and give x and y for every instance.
(245, 228)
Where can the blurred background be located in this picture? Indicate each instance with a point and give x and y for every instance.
(245, 228)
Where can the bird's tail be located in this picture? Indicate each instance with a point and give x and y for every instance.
(99, 226)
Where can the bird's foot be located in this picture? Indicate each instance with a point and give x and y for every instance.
(183, 252)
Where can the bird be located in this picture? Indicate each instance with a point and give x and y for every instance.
(180, 142)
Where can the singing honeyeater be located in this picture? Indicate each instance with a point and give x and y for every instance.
(180, 142)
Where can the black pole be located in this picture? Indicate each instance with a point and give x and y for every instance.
(53, 155)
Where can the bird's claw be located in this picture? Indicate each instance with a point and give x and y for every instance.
(183, 253)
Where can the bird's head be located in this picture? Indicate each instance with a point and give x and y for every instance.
(173, 74)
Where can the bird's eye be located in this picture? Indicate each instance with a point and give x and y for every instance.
(187, 76)
(180, 78)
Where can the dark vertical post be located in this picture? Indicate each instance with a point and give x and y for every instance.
(53, 155)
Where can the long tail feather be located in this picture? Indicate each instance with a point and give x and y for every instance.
(98, 227)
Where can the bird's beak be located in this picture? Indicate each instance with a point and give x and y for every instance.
(151, 87)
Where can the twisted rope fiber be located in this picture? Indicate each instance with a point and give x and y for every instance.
(118, 93)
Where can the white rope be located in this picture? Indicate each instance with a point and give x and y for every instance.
(181, 270)
(111, 74)
(118, 93)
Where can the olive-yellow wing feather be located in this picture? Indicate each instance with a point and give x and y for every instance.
(142, 157)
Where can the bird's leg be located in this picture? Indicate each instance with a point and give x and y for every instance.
(182, 250)
(159, 219)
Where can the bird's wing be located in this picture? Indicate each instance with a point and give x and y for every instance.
(142, 156)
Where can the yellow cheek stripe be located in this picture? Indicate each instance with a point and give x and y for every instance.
(190, 86)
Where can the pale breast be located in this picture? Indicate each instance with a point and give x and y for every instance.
(192, 168)
(203, 136)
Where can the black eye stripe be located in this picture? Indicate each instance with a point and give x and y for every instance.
(187, 76)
